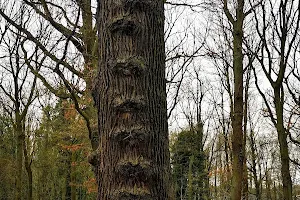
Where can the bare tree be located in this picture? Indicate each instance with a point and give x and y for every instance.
(228, 56)
(18, 90)
(65, 32)
(277, 25)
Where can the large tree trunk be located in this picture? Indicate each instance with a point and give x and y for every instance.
(133, 157)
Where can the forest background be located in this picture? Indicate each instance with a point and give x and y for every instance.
(47, 118)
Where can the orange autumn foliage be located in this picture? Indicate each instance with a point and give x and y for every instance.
(219, 171)
(73, 147)
(91, 185)
(70, 112)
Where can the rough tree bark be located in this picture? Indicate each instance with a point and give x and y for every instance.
(133, 155)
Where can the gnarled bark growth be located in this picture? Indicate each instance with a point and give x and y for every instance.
(132, 157)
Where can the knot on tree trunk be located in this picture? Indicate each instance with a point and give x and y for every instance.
(127, 195)
(126, 25)
(140, 5)
(93, 158)
(134, 136)
(131, 66)
(134, 173)
(133, 104)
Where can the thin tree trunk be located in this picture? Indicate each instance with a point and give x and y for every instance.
(203, 188)
(68, 189)
(19, 157)
(130, 96)
(268, 186)
(72, 176)
(260, 180)
(27, 164)
(282, 138)
(254, 165)
(237, 112)
(215, 181)
(207, 193)
(237, 115)
(245, 191)
(275, 191)
(226, 148)
(190, 192)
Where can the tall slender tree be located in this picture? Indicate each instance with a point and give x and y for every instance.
(19, 87)
(232, 59)
(237, 112)
(278, 32)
